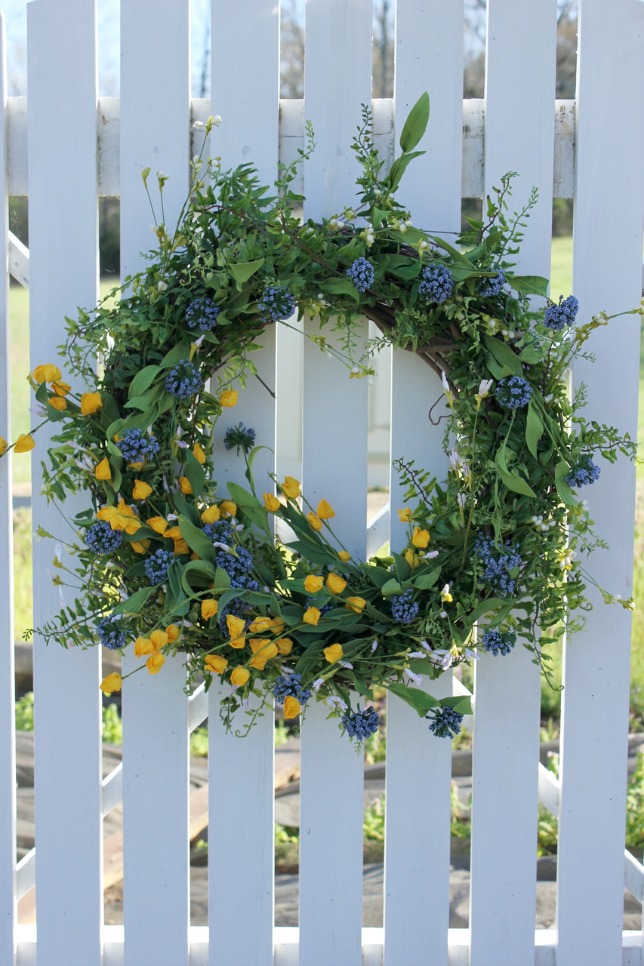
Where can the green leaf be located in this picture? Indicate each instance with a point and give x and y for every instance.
(178, 352)
(390, 588)
(200, 568)
(143, 380)
(340, 286)
(461, 703)
(242, 271)
(195, 473)
(512, 481)
(564, 489)
(197, 540)
(134, 603)
(416, 123)
(534, 429)
(426, 581)
(145, 400)
(419, 700)
(528, 284)
(399, 167)
(503, 354)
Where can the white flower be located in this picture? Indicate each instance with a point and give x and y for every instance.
(411, 677)
(443, 659)
(430, 555)
(335, 702)
(461, 499)
(317, 684)
(162, 286)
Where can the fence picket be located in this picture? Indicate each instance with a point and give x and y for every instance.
(609, 194)
(155, 118)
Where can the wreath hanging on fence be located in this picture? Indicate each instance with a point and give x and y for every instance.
(168, 562)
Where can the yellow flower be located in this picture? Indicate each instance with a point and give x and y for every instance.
(228, 508)
(136, 466)
(291, 487)
(184, 485)
(121, 517)
(143, 646)
(24, 443)
(239, 677)
(140, 546)
(155, 662)
(215, 663)
(344, 555)
(412, 558)
(198, 453)
(57, 403)
(260, 625)
(209, 608)
(311, 616)
(239, 643)
(47, 373)
(61, 388)
(277, 625)
(111, 683)
(284, 645)
(333, 653)
(446, 597)
(263, 650)
(159, 639)
(292, 707)
(235, 625)
(4, 446)
(158, 524)
(228, 398)
(420, 538)
(325, 511)
(173, 632)
(103, 470)
(211, 514)
(141, 490)
(314, 521)
(90, 403)
(356, 604)
(181, 547)
(404, 515)
(271, 503)
(313, 584)
(335, 583)
(172, 533)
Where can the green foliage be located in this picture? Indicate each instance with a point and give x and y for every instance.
(25, 712)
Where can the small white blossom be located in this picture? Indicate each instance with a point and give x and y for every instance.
(411, 677)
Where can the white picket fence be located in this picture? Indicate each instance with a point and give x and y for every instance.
(75, 145)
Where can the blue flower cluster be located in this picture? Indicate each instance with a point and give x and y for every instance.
(202, 314)
(584, 473)
(290, 685)
(184, 380)
(100, 538)
(558, 316)
(110, 633)
(404, 609)
(499, 562)
(240, 437)
(496, 642)
(235, 565)
(156, 566)
(136, 446)
(276, 304)
(361, 724)
(515, 392)
(445, 722)
(362, 274)
(219, 532)
(437, 284)
(488, 287)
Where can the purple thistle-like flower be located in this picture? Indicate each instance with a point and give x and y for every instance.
(202, 314)
(558, 316)
(100, 538)
(496, 642)
(584, 473)
(445, 722)
(360, 724)
(489, 287)
(110, 633)
(362, 274)
(184, 380)
(137, 446)
(437, 284)
(276, 304)
(156, 566)
(515, 392)
(404, 609)
(290, 685)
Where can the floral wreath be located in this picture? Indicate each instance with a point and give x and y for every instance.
(169, 563)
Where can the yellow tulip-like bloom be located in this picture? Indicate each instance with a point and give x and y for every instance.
(61, 388)
(173, 632)
(215, 663)
(103, 470)
(155, 662)
(356, 604)
(143, 646)
(111, 683)
(90, 403)
(313, 584)
(404, 515)
(277, 625)
(47, 373)
(271, 503)
(260, 625)
(311, 616)
(239, 643)
(181, 547)
(141, 490)
(291, 487)
(57, 403)
(235, 625)
(262, 654)
(24, 443)
(325, 511)
(159, 639)
(209, 608)
(344, 555)
(420, 538)
(198, 453)
(158, 524)
(446, 597)
(211, 514)
(121, 517)
(335, 583)
(284, 645)
(292, 707)
(172, 533)
(314, 521)
(185, 486)
(4, 446)
(333, 653)
(140, 546)
(228, 508)
(228, 399)
(239, 677)
(412, 558)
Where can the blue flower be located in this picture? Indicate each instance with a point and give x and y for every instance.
(558, 316)
(276, 304)
(404, 609)
(437, 284)
(360, 724)
(110, 633)
(497, 643)
(241, 437)
(202, 314)
(362, 274)
(102, 539)
(584, 473)
(445, 722)
(499, 562)
(220, 532)
(136, 446)
(184, 380)
(290, 685)
(515, 392)
(489, 287)
(156, 566)
(237, 564)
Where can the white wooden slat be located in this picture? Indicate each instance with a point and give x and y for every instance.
(506, 730)
(609, 205)
(63, 232)
(18, 260)
(154, 122)
(8, 917)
